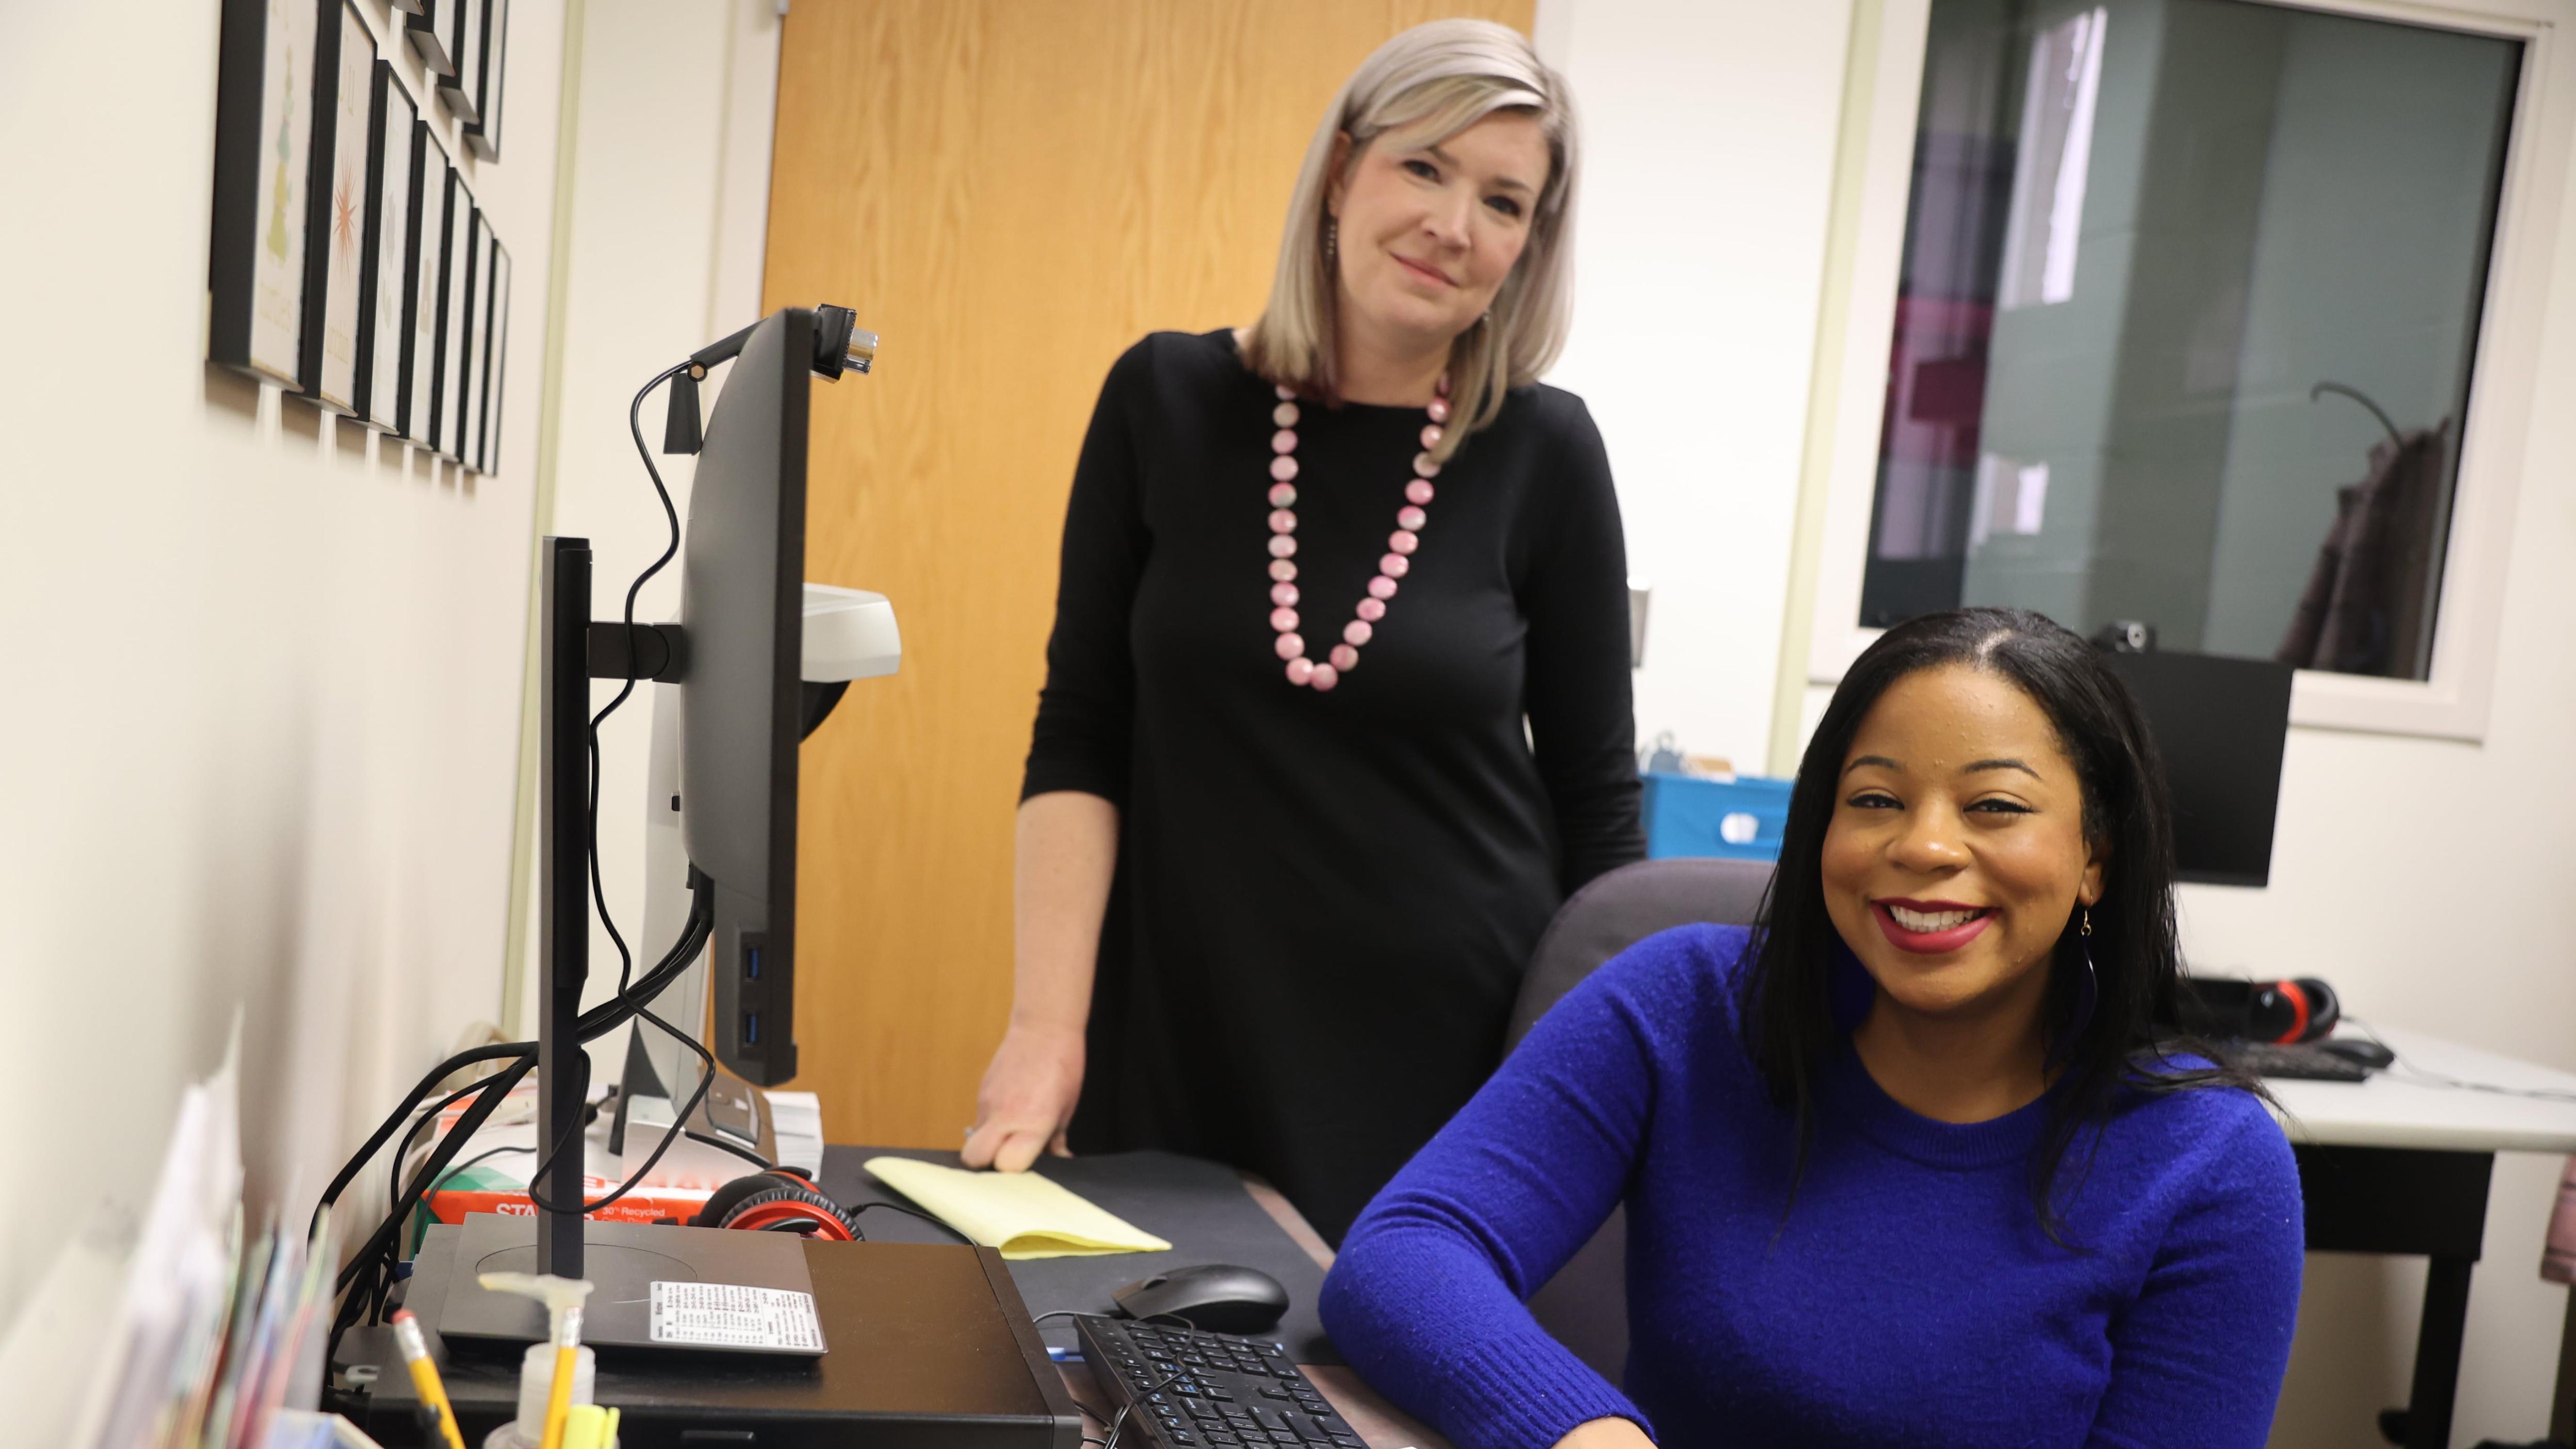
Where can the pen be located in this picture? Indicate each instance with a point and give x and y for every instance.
(424, 1377)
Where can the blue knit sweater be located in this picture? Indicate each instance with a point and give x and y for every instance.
(1908, 1297)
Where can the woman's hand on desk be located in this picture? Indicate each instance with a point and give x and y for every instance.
(1027, 1098)
(1606, 1434)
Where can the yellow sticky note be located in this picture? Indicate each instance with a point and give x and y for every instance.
(587, 1426)
(1021, 1213)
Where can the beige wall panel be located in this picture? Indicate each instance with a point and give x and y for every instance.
(1011, 192)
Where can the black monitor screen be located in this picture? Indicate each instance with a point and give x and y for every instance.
(2220, 724)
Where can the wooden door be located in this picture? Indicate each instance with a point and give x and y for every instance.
(1011, 192)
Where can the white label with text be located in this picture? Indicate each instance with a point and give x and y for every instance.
(728, 1315)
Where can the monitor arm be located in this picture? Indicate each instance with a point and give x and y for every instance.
(840, 345)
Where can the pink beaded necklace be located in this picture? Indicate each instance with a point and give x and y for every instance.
(1283, 546)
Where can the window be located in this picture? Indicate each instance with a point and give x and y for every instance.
(2189, 296)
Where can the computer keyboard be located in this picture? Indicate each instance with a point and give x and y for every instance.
(1195, 1389)
(2294, 1060)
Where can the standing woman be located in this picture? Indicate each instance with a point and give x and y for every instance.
(1337, 701)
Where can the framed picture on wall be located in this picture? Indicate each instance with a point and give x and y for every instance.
(483, 136)
(469, 370)
(478, 401)
(263, 170)
(427, 267)
(335, 233)
(496, 345)
(443, 418)
(384, 286)
(422, 28)
(460, 35)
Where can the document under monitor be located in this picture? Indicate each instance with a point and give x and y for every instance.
(2221, 725)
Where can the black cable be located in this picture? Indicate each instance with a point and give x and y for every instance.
(1094, 1414)
(459, 1169)
(893, 1207)
(393, 1179)
(626, 687)
(636, 1178)
(1190, 1339)
(495, 1089)
(736, 1148)
(374, 1256)
(385, 1130)
(2424, 1078)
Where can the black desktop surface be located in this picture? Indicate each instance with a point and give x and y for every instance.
(1199, 1207)
(930, 1349)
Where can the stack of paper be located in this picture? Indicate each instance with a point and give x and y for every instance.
(178, 1333)
(796, 1120)
(1021, 1213)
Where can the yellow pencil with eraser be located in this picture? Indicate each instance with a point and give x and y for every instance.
(424, 1377)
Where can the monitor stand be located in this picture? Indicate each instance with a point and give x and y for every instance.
(624, 1262)
(734, 1109)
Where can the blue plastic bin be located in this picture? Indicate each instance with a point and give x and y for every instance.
(1739, 819)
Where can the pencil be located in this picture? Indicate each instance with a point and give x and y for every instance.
(424, 1377)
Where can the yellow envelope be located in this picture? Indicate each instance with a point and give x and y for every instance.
(1021, 1213)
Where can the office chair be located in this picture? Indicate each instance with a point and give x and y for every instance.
(1586, 1304)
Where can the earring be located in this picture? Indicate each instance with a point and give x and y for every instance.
(1332, 239)
(2088, 994)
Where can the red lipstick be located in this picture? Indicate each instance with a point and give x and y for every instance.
(1929, 943)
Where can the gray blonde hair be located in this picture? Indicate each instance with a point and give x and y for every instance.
(1435, 80)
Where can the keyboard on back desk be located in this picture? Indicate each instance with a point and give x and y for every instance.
(1195, 1389)
(2297, 1061)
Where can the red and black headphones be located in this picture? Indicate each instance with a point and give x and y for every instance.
(2278, 1012)
(783, 1201)
(2291, 1011)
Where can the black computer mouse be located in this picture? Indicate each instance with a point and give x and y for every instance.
(2360, 1050)
(1219, 1297)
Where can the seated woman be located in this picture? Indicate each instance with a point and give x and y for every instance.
(1903, 1164)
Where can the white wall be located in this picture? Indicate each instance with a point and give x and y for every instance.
(262, 672)
(1709, 129)
(668, 227)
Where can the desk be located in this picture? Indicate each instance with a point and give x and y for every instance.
(2400, 1164)
(1208, 1213)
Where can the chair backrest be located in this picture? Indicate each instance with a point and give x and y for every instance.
(1586, 1304)
(1619, 909)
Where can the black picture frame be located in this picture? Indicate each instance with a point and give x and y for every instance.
(483, 135)
(443, 411)
(385, 283)
(427, 37)
(434, 180)
(496, 371)
(460, 36)
(263, 173)
(469, 336)
(335, 239)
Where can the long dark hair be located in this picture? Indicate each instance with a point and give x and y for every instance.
(2115, 1047)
